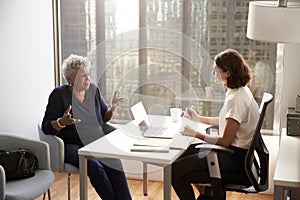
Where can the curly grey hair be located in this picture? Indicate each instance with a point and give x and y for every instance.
(73, 63)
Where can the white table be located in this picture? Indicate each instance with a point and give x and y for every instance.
(117, 144)
(287, 171)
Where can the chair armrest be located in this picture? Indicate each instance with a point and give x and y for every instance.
(214, 127)
(42, 152)
(2, 183)
(212, 157)
(214, 147)
(57, 151)
(213, 130)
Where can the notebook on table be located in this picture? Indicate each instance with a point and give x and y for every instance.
(145, 126)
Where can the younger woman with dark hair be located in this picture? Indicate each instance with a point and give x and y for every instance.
(237, 121)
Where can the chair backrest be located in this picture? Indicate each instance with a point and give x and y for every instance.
(257, 158)
(40, 149)
(57, 152)
(56, 146)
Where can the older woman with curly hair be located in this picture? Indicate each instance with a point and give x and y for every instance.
(77, 113)
(237, 121)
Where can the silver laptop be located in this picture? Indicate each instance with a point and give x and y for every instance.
(145, 126)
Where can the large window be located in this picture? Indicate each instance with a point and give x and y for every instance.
(161, 51)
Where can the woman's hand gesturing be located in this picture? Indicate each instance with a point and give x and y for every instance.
(67, 119)
(116, 100)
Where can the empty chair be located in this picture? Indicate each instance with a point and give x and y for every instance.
(32, 187)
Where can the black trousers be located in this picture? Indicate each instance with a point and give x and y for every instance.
(191, 167)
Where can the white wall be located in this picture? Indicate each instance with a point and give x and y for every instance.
(27, 72)
(291, 79)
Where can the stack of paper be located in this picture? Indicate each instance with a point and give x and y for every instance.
(151, 145)
(149, 149)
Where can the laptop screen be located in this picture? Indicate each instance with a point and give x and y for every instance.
(140, 115)
(149, 128)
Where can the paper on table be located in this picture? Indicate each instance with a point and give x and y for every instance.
(149, 149)
(182, 141)
(157, 142)
(179, 142)
(195, 125)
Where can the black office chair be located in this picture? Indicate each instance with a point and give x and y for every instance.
(256, 164)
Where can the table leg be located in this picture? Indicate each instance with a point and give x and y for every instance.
(278, 192)
(167, 182)
(83, 177)
(145, 179)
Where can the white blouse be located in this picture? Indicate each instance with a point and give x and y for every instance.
(241, 106)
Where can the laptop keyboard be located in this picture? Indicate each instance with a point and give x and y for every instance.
(155, 131)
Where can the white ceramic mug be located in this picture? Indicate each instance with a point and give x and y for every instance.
(176, 114)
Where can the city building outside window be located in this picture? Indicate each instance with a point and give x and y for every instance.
(161, 51)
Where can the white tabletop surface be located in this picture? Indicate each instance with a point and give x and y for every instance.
(287, 171)
(118, 143)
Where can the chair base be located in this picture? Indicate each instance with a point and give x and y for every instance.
(49, 195)
(69, 186)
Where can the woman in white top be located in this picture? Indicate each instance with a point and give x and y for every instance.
(237, 122)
